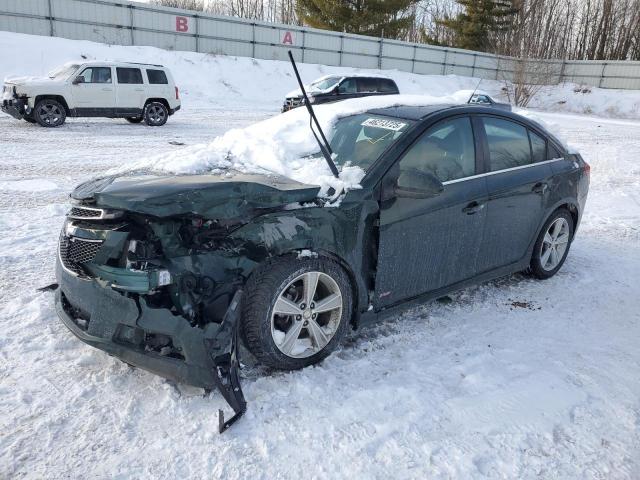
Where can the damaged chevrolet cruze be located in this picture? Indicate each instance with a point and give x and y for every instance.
(171, 273)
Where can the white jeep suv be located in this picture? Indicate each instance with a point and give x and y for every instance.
(133, 91)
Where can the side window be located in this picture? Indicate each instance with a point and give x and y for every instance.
(367, 85)
(129, 75)
(96, 75)
(508, 144)
(554, 152)
(157, 77)
(538, 147)
(387, 86)
(445, 150)
(348, 86)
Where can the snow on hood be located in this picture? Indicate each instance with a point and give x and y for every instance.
(282, 145)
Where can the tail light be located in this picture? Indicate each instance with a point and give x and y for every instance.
(587, 169)
(177, 94)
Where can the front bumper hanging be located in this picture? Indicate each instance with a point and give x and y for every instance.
(227, 366)
(15, 106)
(119, 325)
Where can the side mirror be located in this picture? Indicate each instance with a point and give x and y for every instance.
(414, 183)
(78, 80)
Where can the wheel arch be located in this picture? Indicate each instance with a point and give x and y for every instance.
(157, 99)
(569, 204)
(58, 98)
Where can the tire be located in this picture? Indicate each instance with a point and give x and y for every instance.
(49, 113)
(280, 285)
(552, 246)
(155, 114)
(134, 119)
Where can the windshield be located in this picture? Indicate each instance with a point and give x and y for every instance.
(359, 140)
(63, 72)
(325, 83)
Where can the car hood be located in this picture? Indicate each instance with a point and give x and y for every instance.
(224, 196)
(32, 81)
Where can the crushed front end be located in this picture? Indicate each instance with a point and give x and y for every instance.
(160, 294)
(13, 104)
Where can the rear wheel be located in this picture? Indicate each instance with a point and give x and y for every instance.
(155, 114)
(50, 113)
(297, 311)
(552, 247)
(134, 119)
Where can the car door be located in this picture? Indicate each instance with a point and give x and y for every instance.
(93, 91)
(130, 95)
(429, 243)
(518, 189)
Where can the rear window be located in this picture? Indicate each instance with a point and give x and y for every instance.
(367, 85)
(157, 77)
(387, 86)
(129, 75)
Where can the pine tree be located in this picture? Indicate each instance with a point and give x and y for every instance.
(391, 18)
(474, 25)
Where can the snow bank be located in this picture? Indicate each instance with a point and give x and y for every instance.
(263, 84)
(282, 145)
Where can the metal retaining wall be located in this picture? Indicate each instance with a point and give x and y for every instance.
(126, 23)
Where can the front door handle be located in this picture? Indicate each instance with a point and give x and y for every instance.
(107, 89)
(473, 208)
(540, 187)
(139, 89)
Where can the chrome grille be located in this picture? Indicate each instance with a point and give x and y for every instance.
(86, 213)
(76, 251)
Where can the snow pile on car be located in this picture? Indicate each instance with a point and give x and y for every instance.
(283, 145)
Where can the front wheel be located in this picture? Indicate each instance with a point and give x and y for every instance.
(50, 113)
(155, 114)
(296, 311)
(552, 246)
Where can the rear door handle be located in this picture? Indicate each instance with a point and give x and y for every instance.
(106, 89)
(540, 187)
(473, 208)
(139, 89)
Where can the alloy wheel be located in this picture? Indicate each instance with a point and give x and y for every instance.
(555, 244)
(156, 114)
(50, 114)
(306, 315)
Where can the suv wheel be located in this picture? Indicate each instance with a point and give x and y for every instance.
(155, 114)
(134, 119)
(296, 311)
(552, 247)
(49, 113)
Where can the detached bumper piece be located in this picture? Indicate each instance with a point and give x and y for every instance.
(227, 366)
(155, 339)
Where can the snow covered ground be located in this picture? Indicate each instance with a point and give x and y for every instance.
(513, 379)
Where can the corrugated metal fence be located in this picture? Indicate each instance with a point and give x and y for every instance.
(126, 23)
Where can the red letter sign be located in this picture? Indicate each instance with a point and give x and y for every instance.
(288, 39)
(182, 24)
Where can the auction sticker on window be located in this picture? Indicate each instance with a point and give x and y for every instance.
(382, 123)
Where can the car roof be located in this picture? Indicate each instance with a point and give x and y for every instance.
(125, 64)
(410, 112)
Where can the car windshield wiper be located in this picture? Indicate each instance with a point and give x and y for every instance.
(325, 148)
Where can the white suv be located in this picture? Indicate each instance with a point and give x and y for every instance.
(133, 91)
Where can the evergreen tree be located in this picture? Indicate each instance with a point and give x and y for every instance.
(475, 25)
(393, 18)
